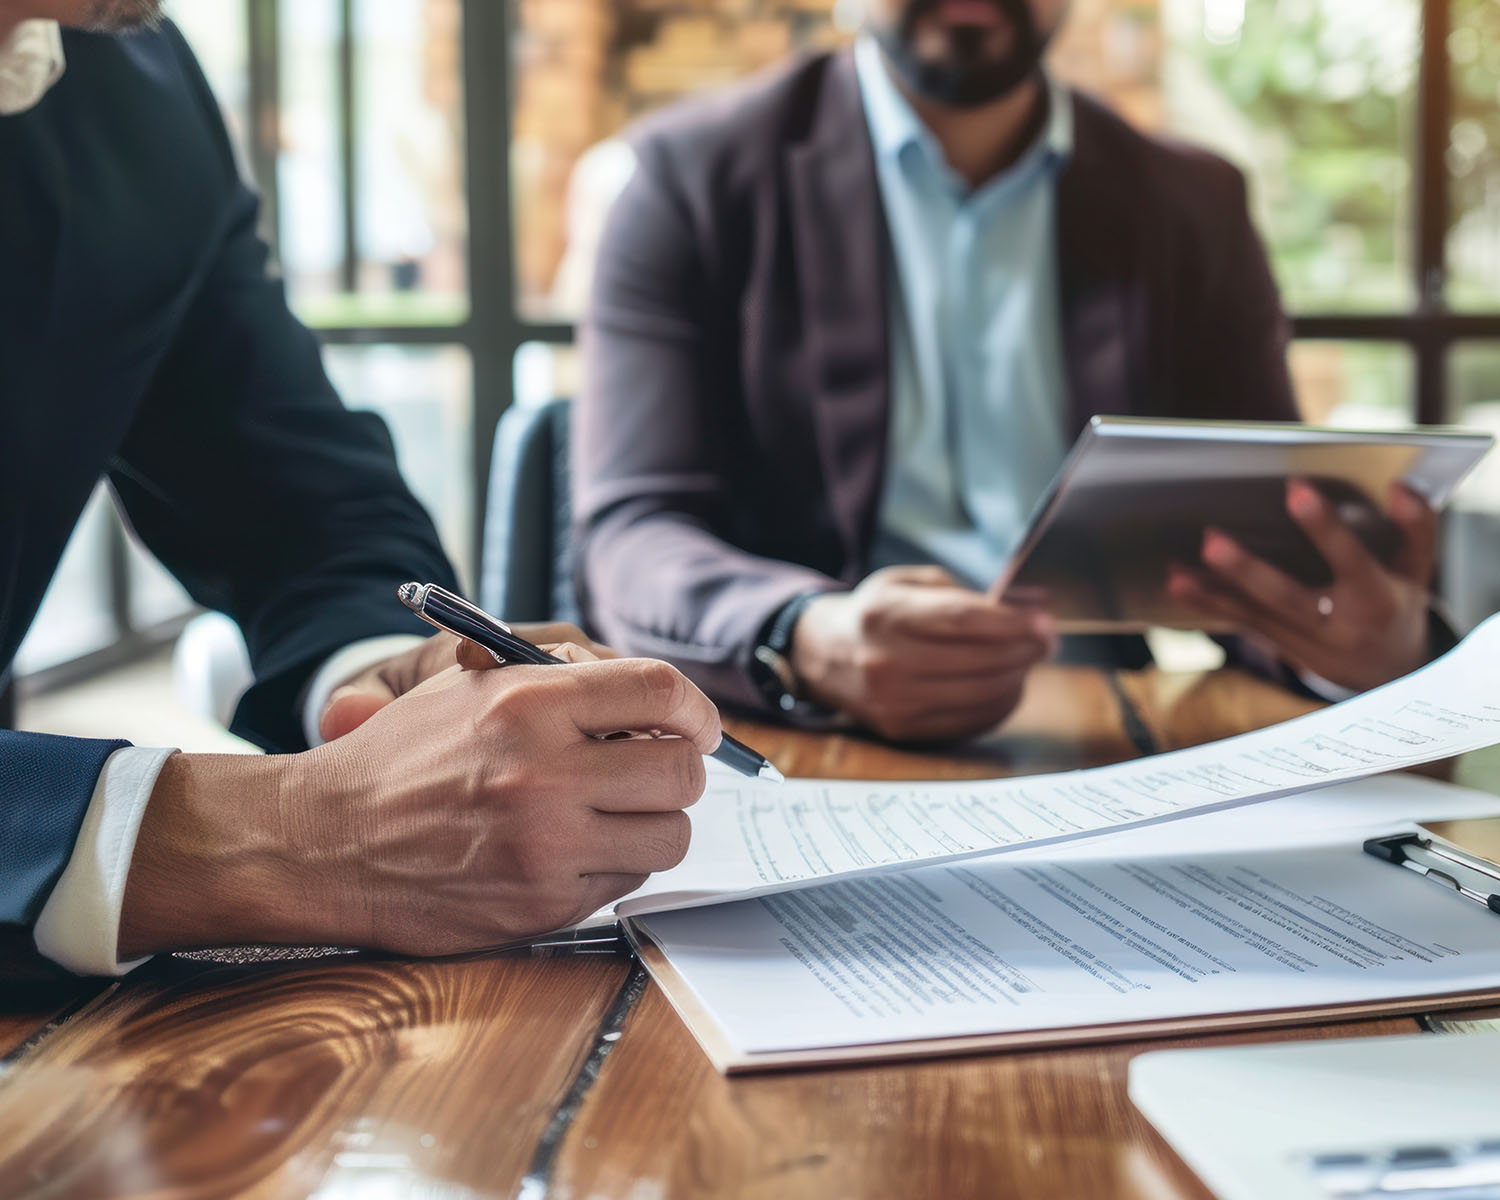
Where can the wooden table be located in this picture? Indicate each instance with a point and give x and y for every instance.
(570, 1076)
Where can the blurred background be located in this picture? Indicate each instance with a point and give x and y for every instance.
(435, 173)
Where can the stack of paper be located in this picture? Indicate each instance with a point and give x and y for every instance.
(1060, 928)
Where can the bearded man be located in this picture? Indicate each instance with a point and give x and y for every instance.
(848, 318)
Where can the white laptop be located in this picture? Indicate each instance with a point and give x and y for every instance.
(1391, 1118)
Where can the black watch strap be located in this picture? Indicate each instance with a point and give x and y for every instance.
(773, 654)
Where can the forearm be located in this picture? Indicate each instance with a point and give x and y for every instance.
(220, 858)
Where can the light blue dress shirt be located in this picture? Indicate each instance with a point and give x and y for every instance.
(978, 390)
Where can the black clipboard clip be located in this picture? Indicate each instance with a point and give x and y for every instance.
(1442, 862)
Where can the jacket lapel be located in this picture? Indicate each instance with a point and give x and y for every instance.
(840, 244)
(1093, 269)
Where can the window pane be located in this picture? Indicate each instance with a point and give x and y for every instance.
(425, 396)
(546, 372)
(217, 31)
(1359, 385)
(410, 231)
(307, 163)
(1316, 100)
(1472, 558)
(75, 617)
(586, 68)
(1473, 155)
(412, 224)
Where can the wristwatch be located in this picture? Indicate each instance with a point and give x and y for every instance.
(773, 670)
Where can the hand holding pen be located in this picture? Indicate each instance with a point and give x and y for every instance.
(441, 608)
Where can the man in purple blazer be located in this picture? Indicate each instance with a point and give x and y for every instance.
(847, 319)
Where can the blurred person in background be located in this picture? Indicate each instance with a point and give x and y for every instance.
(848, 318)
(143, 340)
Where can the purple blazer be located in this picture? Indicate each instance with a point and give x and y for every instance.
(730, 437)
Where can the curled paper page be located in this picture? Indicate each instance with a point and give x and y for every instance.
(753, 838)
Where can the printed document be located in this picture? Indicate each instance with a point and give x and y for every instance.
(1238, 912)
(751, 837)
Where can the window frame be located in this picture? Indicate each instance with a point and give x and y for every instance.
(496, 326)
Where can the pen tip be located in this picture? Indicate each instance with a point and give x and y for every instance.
(407, 593)
(771, 773)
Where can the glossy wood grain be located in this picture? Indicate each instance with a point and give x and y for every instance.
(1190, 709)
(16, 1027)
(1055, 1125)
(282, 1081)
(1068, 717)
(358, 1077)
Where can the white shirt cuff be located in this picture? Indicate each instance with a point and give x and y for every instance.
(79, 927)
(343, 666)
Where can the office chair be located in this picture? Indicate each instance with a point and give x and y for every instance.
(526, 572)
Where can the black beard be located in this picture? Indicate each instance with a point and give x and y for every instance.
(964, 79)
(123, 16)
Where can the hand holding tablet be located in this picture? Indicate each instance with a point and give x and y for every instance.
(1321, 541)
(1368, 624)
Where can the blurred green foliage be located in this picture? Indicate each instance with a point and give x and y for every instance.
(1328, 89)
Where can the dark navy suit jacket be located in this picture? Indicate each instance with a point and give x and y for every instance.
(142, 341)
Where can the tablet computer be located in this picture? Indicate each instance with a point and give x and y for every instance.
(1135, 495)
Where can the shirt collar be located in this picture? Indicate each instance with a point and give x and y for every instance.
(31, 61)
(895, 125)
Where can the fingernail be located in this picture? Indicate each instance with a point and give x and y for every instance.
(1404, 503)
(1302, 501)
(1218, 549)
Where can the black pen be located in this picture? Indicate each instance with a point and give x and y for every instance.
(440, 607)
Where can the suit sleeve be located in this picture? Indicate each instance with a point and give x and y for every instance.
(46, 783)
(658, 572)
(258, 489)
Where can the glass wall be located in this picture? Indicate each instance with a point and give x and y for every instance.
(1369, 131)
(585, 69)
(1472, 156)
(1317, 102)
(356, 144)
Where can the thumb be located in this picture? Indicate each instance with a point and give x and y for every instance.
(348, 709)
(473, 657)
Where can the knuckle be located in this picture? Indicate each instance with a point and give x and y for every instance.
(671, 845)
(882, 671)
(872, 621)
(663, 681)
(692, 775)
(518, 697)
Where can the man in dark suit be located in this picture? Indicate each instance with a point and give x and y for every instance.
(848, 317)
(143, 341)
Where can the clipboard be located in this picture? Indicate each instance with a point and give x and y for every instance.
(1461, 855)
